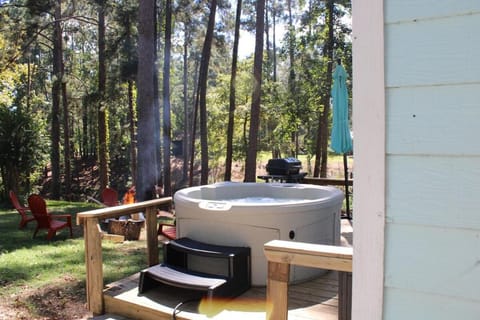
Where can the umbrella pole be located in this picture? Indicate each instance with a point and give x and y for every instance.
(347, 192)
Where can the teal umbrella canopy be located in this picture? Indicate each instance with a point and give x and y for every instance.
(341, 139)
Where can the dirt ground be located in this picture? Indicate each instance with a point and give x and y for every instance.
(53, 302)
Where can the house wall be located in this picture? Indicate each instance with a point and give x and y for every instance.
(432, 168)
(416, 110)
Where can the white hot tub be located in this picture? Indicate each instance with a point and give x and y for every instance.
(251, 214)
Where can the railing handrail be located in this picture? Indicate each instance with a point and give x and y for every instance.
(281, 254)
(327, 181)
(117, 211)
(309, 255)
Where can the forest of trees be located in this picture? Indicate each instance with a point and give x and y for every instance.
(133, 84)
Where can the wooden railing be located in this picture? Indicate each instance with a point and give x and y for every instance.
(327, 181)
(93, 243)
(334, 182)
(281, 254)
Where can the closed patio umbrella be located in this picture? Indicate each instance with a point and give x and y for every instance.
(341, 139)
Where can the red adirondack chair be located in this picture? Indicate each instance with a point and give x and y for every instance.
(22, 210)
(45, 220)
(110, 197)
(167, 230)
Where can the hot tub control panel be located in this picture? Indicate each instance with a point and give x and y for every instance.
(215, 205)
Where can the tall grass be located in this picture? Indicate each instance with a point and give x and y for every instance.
(27, 262)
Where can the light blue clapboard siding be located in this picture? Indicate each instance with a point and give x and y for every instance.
(411, 305)
(436, 120)
(433, 52)
(437, 191)
(437, 261)
(402, 10)
(432, 235)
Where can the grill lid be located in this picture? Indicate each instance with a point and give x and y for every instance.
(283, 166)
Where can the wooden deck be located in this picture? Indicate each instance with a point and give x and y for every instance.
(315, 299)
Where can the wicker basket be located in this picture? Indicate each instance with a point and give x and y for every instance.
(128, 228)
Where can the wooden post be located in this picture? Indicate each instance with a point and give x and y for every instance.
(277, 290)
(347, 192)
(344, 295)
(152, 236)
(93, 261)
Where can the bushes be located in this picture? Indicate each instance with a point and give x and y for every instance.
(21, 148)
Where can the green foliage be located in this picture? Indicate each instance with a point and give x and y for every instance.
(290, 102)
(11, 82)
(218, 106)
(21, 147)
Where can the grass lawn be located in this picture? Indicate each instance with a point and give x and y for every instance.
(42, 279)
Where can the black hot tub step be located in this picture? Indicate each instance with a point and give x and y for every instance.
(190, 246)
(178, 278)
(216, 270)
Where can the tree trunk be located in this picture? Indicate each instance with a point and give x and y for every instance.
(274, 45)
(186, 123)
(203, 77)
(133, 145)
(251, 161)
(266, 29)
(318, 149)
(167, 186)
(102, 109)
(327, 88)
(66, 141)
(193, 133)
(193, 137)
(231, 110)
(156, 171)
(145, 101)
(56, 93)
(291, 80)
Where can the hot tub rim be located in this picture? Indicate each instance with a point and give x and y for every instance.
(334, 195)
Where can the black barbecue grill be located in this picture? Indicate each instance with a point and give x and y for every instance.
(284, 170)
